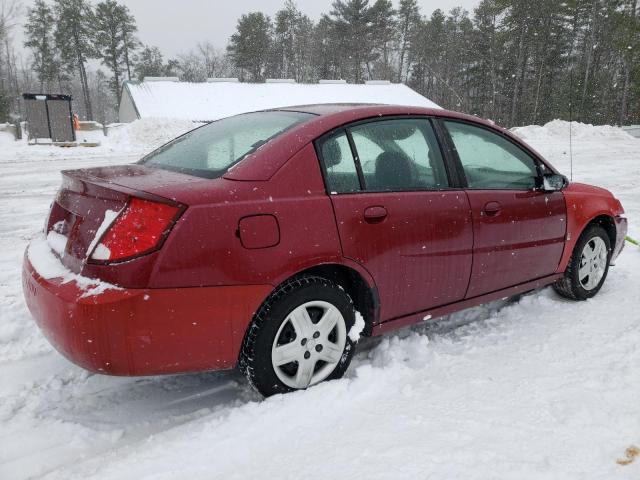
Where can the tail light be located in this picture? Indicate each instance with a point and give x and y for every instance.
(140, 228)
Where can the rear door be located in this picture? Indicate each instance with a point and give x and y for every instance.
(396, 213)
(519, 230)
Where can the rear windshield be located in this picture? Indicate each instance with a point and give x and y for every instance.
(210, 151)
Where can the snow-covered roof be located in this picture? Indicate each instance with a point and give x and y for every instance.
(213, 100)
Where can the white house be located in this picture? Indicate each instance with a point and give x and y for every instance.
(167, 97)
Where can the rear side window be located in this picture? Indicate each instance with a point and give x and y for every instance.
(399, 154)
(491, 161)
(211, 150)
(340, 169)
(392, 155)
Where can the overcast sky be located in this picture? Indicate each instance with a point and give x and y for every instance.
(178, 25)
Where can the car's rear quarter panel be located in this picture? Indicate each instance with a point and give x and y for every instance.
(205, 247)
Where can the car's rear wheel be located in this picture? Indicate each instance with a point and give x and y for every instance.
(299, 337)
(588, 267)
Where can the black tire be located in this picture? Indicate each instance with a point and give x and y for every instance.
(570, 286)
(255, 356)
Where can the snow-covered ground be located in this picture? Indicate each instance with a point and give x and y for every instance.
(536, 387)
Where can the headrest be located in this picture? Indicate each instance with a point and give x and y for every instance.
(393, 171)
(331, 153)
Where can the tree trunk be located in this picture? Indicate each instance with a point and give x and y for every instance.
(589, 52)
(401, 60)
(537, 98)
(85, 88)
(520, 62)
(494, 80)
(83, 78)
(126, 55)
(116, 79)
(543, 63)
(624, 103)
(43, 41)
(114, 68)
(403, 49)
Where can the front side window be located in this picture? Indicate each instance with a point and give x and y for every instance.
(211, 150)
(399, 154)
(491, 161)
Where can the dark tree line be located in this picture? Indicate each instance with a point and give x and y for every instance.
(514, 61)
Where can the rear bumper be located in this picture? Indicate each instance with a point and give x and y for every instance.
(621, 233)
(143, 331)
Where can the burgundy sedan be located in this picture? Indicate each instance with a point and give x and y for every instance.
(273, 240)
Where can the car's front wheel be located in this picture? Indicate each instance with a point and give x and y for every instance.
(588, 267)
(299, 337)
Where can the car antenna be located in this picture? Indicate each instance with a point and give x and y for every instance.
(571, 123)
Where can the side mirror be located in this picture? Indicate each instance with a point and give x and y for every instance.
(554, 183)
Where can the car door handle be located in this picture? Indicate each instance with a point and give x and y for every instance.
(492, 208)
(375, 214)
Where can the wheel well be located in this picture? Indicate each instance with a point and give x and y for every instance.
(606, 222)
(365, 298)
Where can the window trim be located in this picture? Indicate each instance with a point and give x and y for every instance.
(460, 168)
(450, 169)
(336, 132)
(356, 159)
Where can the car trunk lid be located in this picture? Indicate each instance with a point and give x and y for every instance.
(89, 200)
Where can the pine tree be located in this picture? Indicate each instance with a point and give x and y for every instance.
(284, 40)
(74, 39)
(383, 37)
(354, 24)
(303, 48)
(150, 63)
(460, 55)
(9, 89)
(429, 52)
(291, 44)
(109, 41)
(328, 59)
(550, 47)
(484, 85)
(408, 21)
(130, 42)
(39, 38)
(101, 95)
(250, 46)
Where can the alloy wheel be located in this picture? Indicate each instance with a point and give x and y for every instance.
(309, 344)
(593, 263)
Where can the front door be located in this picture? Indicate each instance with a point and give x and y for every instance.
(396, 214)
(519, 230)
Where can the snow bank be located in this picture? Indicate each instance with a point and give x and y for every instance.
(129, 141)
(559, 129)
(148, 133)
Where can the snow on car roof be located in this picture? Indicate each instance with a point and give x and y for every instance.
(214, 100)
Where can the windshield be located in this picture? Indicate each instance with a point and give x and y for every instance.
(210, 150)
